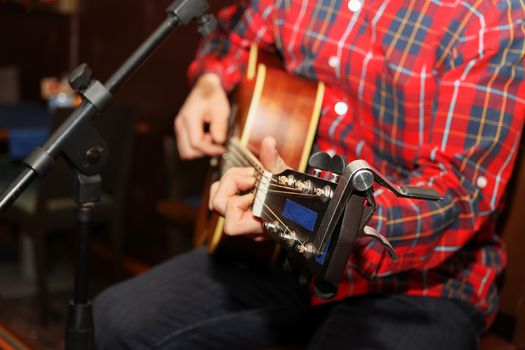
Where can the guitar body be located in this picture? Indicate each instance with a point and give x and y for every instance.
(270, 102)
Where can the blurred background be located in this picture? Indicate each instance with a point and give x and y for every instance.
(150, 197)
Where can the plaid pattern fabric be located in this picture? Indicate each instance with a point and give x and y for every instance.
(431, 93)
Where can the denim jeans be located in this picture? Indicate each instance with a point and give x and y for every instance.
(196, 301)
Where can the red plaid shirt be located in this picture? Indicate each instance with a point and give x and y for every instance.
(431, 93)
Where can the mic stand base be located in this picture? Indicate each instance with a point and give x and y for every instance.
(80, 329)
(87, 153)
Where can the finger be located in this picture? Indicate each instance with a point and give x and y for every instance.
(194, 136)
(194, 128)
(219, 124)
(238, 219)
(270, 157)
(260, 238)
(186, 151)
(210, 147)
(207, 94)
(213, 191)
(235, 180)
(189, 114)
(257, 237)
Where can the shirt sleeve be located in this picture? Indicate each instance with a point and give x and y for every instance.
(476, 123)
(225, 52)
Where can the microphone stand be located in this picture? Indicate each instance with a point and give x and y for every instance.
(87, 153)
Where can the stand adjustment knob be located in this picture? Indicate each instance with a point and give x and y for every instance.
(323, 161)
(80, 78)
(207, 24)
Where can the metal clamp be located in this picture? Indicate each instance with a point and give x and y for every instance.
(349, 211)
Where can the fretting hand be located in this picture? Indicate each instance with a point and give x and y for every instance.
(225, 197)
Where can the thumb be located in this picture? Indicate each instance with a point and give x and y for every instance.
(270, 157)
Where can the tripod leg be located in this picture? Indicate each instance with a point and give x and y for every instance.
(40, 254)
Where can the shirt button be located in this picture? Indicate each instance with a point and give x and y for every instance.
(354, 5)
(333, 61)
(341, 108)
(482, 182)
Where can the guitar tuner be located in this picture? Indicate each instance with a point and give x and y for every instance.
(272, 227)
(307, 250)
(323, 161)
(317, 172)
(307, 187)
(289, 239)
(324, 193)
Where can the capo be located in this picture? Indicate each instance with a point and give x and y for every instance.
(349, 211)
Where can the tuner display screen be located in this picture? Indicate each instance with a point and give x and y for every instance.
(300, 215)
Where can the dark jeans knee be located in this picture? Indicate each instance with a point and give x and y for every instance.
(116, 323)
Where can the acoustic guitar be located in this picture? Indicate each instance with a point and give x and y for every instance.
(315, 217)
(269, 102)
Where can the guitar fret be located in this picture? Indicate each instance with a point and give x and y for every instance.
(233, 160)
(260, 195)
(246, 154)
(238, 155)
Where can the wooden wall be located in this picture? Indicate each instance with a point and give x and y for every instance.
(104, 34)
(109, 31)
(35, 42)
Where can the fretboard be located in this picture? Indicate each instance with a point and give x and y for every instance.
(238, 155)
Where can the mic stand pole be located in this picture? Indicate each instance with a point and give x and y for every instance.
(86, 151)
(80, 327)
(97, 98)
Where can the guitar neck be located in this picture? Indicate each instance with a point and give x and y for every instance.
(238, 155)
(270, 102)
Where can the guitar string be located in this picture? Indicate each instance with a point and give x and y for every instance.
(269, 213)
(289, 190)
(294, 193)
(248, 157)
(238, 159)
(242, 152)
(268, 176)
(242, 159)
(285, 226)
(258, 175)
(245, 161)
(245, 156)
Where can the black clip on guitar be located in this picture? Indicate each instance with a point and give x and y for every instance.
(336, 220)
